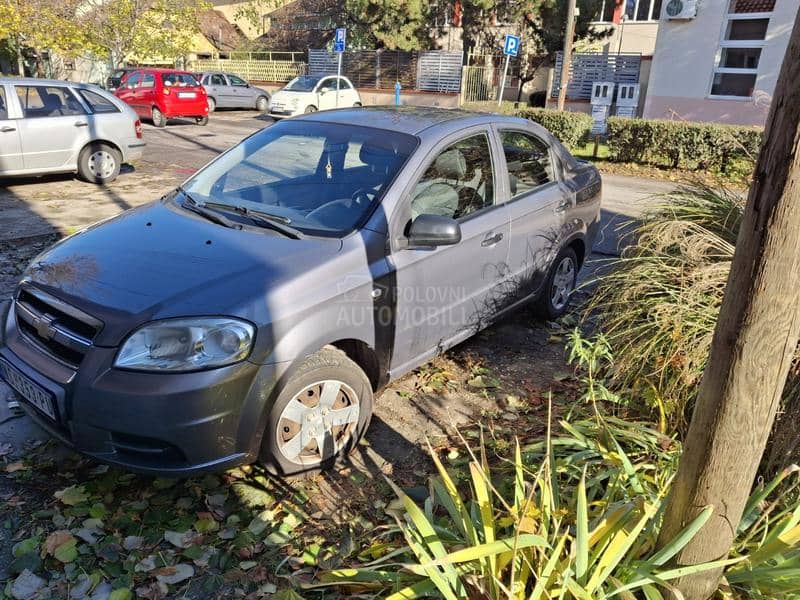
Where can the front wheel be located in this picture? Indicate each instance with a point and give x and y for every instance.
(554, 299)
(203, 121)
(262, 104)
(357, 105)
(310, 109)
(159, 120)
(319, 415)
(99, 163)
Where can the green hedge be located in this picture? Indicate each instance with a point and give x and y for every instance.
(570, 128)
(670, 144)
(678, 144)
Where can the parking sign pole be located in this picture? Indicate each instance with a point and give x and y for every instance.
(338, 75)
(503, 84)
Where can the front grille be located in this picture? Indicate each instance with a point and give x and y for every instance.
(55, 327)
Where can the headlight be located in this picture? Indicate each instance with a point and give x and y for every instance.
(186, 344)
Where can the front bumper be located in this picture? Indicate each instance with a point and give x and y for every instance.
(173, 424)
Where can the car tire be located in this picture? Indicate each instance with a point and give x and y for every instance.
(159, 120)
(310, 109)
(212, 104)
(202, 121)
(99, 163)
(554, 299)
(296, 415)
(357, 105)
(262, 104)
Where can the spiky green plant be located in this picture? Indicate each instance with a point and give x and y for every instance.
(576, 516)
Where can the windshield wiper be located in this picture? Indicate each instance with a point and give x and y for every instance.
(266, 219)
(194, 206)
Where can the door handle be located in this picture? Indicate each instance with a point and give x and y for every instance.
(81, 124)
(491, 240)
(7, 128)
(564, 205)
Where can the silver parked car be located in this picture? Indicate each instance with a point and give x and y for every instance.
(49, 126)
(254, 312)
(225, 90)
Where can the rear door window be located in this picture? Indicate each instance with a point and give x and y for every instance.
(148, 80)
(98, 103)
(528, 161)
(218, 80)
(40, 101)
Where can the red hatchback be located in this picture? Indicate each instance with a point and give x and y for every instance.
(161, 94)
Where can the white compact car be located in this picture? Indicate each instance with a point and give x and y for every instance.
(310, 93)
(49, 126)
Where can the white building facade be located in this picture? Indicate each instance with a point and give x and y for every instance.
(722, 65)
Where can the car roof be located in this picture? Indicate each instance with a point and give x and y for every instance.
(37, 81)
(413, 120)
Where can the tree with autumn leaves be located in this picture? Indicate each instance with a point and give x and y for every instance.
(113, 30)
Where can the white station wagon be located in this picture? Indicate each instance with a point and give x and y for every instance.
(49, 126)
(310, 93)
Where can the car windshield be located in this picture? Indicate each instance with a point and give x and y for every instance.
(179, 79)
(304, 83)
(322, 178)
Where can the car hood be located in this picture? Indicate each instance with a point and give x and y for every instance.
(160, 261)
(285, 97)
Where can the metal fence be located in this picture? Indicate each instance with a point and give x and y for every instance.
(277, 71)
(588, 67)
(433, 71)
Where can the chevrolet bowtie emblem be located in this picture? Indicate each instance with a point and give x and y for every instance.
(44, 327)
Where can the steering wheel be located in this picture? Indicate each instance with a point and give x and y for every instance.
(363, 196)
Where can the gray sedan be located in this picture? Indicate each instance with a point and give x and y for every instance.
(49, 126)
(255, 312)
(226, 90)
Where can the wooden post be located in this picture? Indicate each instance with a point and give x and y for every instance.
(566, 57)
(754, 341)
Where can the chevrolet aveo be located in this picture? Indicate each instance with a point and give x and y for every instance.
(254, 312)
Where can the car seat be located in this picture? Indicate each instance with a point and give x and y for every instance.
(439, 193)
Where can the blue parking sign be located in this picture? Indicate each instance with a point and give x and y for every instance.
(339, 39)
(511, 45)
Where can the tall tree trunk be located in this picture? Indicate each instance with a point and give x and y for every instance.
(752, 349)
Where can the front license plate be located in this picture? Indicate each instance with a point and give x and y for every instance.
(30, 391)
(187, 94)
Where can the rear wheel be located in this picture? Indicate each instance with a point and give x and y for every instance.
(212, 104)
(262, 104)
(310, 109)
(99, 163)
(357, 104)
(159, 120)
(319, 415)
(554, 299)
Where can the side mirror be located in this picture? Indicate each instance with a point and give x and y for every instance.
(434, 230)
(324, 90)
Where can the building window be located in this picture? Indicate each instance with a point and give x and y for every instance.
(743, 35)
(606, 12)
(642, 10)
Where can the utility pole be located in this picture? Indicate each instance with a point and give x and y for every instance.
(566, 57)
(751, 352)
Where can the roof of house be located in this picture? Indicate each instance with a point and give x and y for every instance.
(219, 31)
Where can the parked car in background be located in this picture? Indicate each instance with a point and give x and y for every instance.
(254, 312)
(226, 90)
(310, 93)
(115, 79)
(162, 94)
(51, 126)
